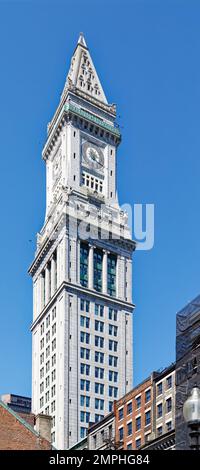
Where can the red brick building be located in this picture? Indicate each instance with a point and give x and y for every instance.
(16, 433)
(133, 416)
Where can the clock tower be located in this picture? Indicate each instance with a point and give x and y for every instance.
(82, 271)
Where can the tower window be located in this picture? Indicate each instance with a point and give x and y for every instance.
(111, 194)
(74, 133)
(74, 177)
(74, 155)
(111, 279)
(84, 264)
(98, 259)
(111, 173)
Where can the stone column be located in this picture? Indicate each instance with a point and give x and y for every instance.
(91, 267)
(53, 275)
(42, 299)
(104, 271)
(120, 278)
(47, 282)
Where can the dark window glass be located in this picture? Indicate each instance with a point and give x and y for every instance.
(98, 258)
(84, 265)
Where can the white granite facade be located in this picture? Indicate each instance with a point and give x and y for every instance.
(82, 315)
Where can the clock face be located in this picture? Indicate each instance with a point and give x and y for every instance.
(93, 155)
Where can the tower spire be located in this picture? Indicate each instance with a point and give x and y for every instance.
(82, 74)
(81, 40)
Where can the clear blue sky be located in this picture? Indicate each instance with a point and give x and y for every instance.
(147, 55)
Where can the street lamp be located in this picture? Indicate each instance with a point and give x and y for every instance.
(191, 413)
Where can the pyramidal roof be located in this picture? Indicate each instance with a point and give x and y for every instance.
(82, 73)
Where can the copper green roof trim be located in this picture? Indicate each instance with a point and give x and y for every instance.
(90, 117)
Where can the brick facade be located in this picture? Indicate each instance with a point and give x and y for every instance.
(132, 408)
(16, 434)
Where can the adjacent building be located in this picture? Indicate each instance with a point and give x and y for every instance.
(144, 418)
(187, 364)
(17, 403)
(82, 270)
(17, 433)
(133, 416)
(101, 435)
(164, 401)
(147, 412)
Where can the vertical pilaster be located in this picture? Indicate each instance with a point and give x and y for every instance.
(120, 277)
(129, 279)
(78, 262)
(42, 299)
(53, 266)
(47, 284)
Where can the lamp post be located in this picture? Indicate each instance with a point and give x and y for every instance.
(191, 413)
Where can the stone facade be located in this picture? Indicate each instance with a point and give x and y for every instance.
(82, 271)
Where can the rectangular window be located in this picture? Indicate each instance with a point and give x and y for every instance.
(84, 401)
(112, 376)
(84, 337)
(168, 405)
(129, 429)
(112, 330)
(138, 402)
(85, 385)
(98, 418)
(112, 314)
(121, 434)
(99, 388)
(147, 418)
(99, 404)
(99, 326)
(85, 369)
(113, 391)
(85, 353)
(99, 310)
(138, 443)
(169, 381)
(159, 388)
(138, 423)
(83, 432)
(84, 251)
(159, 410)
(99, 357)
(169, 426)
(111, 275)
(112, 360)
(99, 341)
(112, 345)
(110, 406)
(99, 373)
(121, 414)
(129, 408)
(159, 431)
(147, 395)
(84, 321)
(98, 258)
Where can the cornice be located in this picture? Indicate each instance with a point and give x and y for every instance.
(76, 288)
(67, 112)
